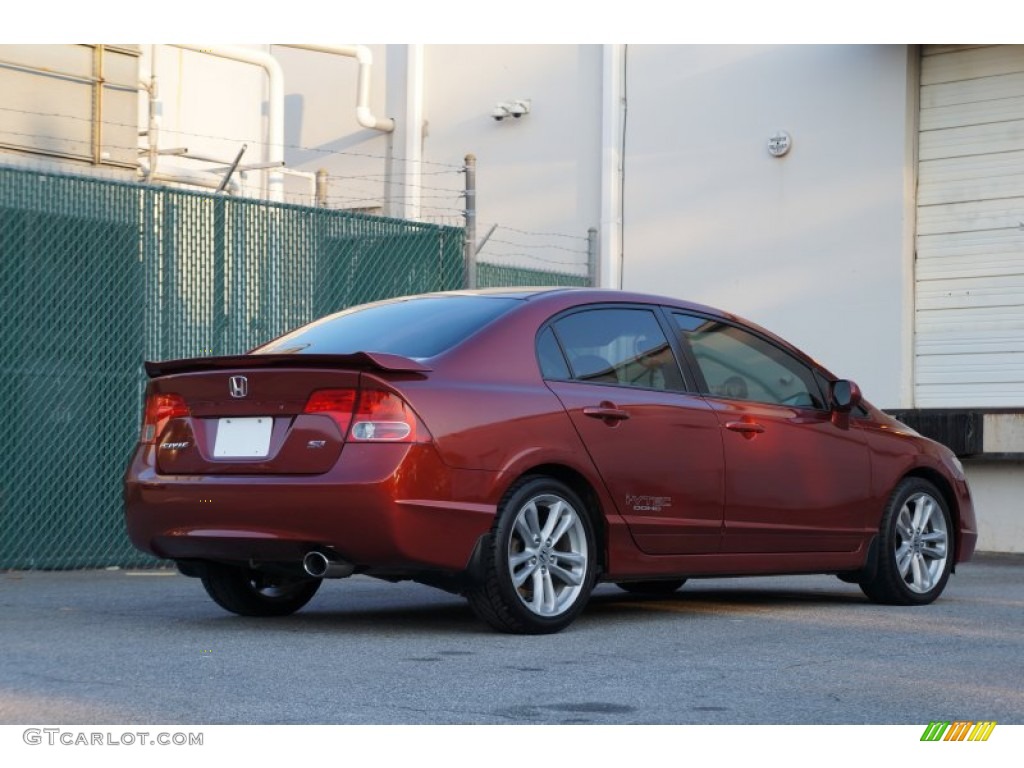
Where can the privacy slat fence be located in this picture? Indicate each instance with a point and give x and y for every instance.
(97, 276)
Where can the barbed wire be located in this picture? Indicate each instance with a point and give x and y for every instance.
(341, 178)
(527, 245)
(489, 257)
(540, 234)
(427, 195)
(252, 141)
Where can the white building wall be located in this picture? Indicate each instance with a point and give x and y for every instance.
(539, 175)
(996, 488)
(813, 245)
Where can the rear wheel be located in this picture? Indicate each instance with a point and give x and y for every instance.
(651, 587)
(915, 552)
(539, 565)
(254, 593)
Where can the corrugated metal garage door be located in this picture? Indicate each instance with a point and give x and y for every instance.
(969, 340)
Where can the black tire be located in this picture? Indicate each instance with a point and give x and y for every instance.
(555, 574)
(915, 546)
(255, 593)
(651, 587)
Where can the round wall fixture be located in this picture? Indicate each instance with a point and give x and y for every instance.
(779, 143)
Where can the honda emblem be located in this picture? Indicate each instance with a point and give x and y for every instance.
(238, 386)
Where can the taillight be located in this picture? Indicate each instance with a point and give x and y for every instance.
(336, 403)
(160, 409)
(384, 416)
(374, 415)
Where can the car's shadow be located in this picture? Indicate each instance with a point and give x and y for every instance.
(449, 614)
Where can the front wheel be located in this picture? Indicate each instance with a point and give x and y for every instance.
(915, 553)
(254, 593)
(539, 565)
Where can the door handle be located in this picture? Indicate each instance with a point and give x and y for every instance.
(606, 411)
(746, 428)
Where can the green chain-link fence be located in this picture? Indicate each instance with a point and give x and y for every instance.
(501, 275)
(97, 276)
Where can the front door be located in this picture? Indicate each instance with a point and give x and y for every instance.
(796, 479)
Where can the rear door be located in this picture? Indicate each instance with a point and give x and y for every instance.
(657, 446)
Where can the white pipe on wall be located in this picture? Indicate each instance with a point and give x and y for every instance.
(611, 167)
(362, 54)
(413, 128)
(154, 115)
(275, 100)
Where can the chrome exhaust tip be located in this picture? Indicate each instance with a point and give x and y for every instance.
(322, 566)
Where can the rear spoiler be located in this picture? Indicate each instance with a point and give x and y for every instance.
(360, 360)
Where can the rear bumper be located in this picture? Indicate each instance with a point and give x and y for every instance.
(383, 506)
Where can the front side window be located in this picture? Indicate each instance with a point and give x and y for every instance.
(738, 365)
(625, 347)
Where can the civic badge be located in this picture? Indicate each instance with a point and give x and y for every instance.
(238, 386)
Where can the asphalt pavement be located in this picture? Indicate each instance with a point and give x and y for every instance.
(136, 647)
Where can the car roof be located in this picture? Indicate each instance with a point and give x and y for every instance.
(579, 294)
(557, 298)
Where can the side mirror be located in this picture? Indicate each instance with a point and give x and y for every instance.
(845, 396)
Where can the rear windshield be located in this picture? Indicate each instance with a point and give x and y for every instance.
(421, 327)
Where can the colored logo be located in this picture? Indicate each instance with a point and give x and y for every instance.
(958, 730)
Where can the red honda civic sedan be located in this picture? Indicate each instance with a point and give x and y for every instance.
(518, 446)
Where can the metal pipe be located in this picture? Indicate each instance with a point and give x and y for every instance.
(153, 131)
(308, 176)
(231, 170)
(362, 54)
(613, 90)
(187, 176)
(322, 566)
(593, 263)
(485, 238)
(469, 242)
(275, 101)
(97, 105)
(412, 145)
(74, 77)
(153, 128)
(321, 188)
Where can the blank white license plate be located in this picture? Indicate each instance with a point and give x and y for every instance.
(243, 438)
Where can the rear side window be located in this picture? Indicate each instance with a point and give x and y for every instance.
(618, 346)
(549, 356)
(417, 328)
(737, 365)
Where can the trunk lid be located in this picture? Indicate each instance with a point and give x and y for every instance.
(253, 414)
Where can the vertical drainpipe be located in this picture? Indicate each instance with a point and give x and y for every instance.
(593, 258)
(275, 101)
(908, 382)
(155, 116)
(412, 149)
(612, 91)
(97, 105)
